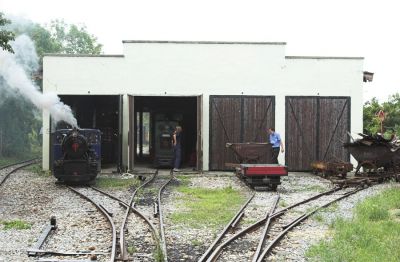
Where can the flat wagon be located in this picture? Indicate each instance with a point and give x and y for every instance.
(255, 165)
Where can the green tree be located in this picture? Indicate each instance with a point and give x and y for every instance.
(18, 127)
(5, 35)
(59, 37)
(371, 122)
(20, 121)
(71, 39)
(392, 115)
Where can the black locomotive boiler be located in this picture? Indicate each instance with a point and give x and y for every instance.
(76, 154)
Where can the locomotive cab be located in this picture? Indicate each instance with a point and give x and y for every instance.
(76, 154)
(164, 155)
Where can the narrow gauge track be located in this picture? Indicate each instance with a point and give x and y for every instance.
(231, 225)
(110, 208)
(6, 171)
(150, 203)
(279, 228)
(236, 224)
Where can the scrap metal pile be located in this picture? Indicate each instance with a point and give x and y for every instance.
(375, 153)
(378, 160)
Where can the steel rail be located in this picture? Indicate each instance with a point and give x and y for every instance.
(161, 224)
(124, 256)
(225, 230)
(18, 163)
(109, 219)
(25, 164)
(309, 199)
(134, 210)
(214, 256)
(299, 219)
(263, 236)
(122, 242)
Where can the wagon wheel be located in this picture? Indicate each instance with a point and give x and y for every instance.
(369, 167)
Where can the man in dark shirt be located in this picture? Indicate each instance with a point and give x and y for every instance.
(177, 145)
(276, 141)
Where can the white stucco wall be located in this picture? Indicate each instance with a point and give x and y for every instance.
(323, 76)
(192, 69)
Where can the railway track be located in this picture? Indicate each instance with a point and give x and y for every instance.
(7, 170)
(271, 228)
(149, 202)
(123, 226)
(254, 208)
(117, 212)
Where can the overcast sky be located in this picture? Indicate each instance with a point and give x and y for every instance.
(368, 29)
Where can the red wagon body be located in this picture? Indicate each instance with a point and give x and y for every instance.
(255, 165)
(262, 175)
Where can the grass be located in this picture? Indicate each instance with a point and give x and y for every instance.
(372, 235)
(8, 160)
(282, 203)
(158, 253)
(16, 224)
(111, 182)
(131, 249)
(204, 207)
(318, 217)
(37, 169)
(196, 242)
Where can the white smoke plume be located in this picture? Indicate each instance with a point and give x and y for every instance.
(14, 69)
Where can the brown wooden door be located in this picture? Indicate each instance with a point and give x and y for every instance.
(316, 128)
(237, 119)
(334, 124)
(258, 116)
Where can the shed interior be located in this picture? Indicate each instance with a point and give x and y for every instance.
(99, 112)
(155, 119)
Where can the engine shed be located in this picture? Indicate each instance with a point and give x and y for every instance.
(218, 92)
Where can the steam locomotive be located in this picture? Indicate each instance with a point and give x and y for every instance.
(164, 127)
(76, 154)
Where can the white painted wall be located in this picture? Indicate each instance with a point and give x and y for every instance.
(317, 76)
(191, 69)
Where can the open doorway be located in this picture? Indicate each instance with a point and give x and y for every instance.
(155, 120)
(101, 112)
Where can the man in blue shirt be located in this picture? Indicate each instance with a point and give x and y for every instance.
(276, 141)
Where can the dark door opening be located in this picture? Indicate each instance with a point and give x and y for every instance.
(155, 121)
(101, 112)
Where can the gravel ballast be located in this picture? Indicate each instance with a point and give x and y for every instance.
(34, 198)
